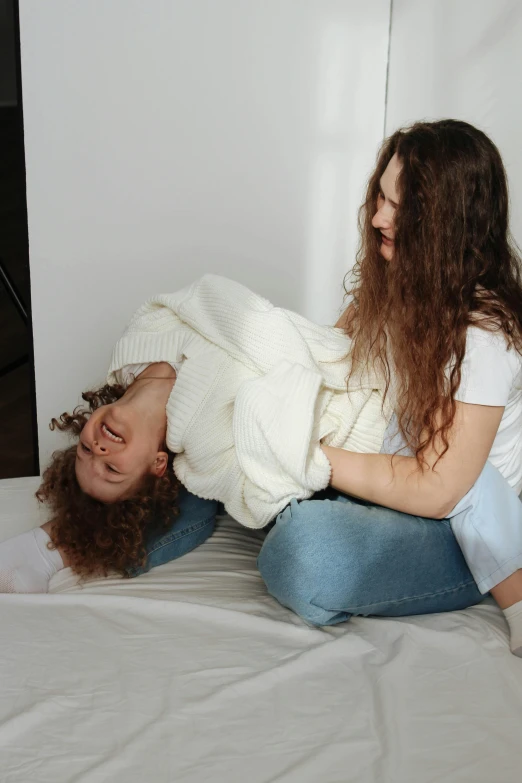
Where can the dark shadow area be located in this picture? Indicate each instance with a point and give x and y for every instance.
(18, 446)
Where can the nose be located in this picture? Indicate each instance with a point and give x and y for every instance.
(98, 449)
(382, 219)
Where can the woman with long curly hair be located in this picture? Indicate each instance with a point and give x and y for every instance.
(437, 306)
(433, 521)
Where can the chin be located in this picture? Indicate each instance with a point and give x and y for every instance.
(387, 252)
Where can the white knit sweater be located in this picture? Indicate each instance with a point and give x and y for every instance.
(258, 389)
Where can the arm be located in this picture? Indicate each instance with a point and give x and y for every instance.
(428, 493)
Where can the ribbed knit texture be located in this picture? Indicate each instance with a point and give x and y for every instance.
(258, 389)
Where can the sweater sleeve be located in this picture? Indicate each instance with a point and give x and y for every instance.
(276, 429)
(257, 334)
(250, 442)
(200, 431)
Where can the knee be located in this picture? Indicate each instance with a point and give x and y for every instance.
(327, 560)
(297, 564)
(285, 553)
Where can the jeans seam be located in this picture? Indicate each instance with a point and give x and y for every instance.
(185, 532)
(404, 600)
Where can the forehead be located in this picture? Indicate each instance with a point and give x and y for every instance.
(389, 178)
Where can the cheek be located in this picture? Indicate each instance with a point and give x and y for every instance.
(89, 428)
(135, 461)
(387, 252)
(94, 417)
(82, 475)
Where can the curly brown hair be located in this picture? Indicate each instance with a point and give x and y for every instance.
(96, 536)
(454, 264)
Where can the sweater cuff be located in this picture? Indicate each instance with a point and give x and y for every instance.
(149, 348)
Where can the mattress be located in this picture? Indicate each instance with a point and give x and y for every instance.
(193, 673)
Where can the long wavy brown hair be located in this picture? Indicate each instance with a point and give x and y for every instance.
(100, 537)
(454, 264)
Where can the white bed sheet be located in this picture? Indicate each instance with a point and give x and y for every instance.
(193, 673)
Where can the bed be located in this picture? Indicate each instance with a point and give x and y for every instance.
(193, 673)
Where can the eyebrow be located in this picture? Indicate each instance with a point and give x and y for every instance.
(393, 203)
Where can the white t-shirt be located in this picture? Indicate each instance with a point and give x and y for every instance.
(491, 375)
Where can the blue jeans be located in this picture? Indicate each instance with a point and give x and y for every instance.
(334, 556)
(194, 524)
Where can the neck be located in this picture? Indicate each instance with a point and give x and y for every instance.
(157, 378)
(159, 371)
(150, 392)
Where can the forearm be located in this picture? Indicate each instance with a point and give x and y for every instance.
(405, 488)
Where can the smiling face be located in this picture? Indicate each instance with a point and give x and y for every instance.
(387, 202)
(118, 446)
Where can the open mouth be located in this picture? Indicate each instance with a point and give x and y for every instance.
(111, 434)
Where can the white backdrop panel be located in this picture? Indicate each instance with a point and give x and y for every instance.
(165, 139)
(461, 59)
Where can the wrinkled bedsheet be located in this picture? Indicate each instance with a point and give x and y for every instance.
(193, 673)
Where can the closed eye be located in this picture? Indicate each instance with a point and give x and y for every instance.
(85, 448)
(383, 197)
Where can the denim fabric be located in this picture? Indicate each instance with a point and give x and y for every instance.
(334, 556)
(194, 524)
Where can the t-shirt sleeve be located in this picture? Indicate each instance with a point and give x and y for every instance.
(488, 369)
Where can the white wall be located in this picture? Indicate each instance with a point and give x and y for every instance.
(461, 59)
(168, 138)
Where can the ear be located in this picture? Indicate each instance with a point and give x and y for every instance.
(159, 465)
